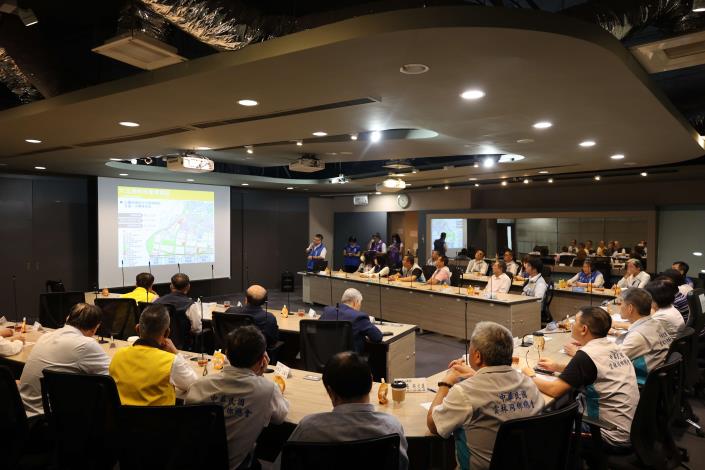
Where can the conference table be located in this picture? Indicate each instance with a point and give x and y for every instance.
(447, 310)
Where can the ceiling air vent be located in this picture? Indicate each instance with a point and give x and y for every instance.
(140, 50)
(672, 53)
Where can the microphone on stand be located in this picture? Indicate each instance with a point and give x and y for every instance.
(122, 267)
(212, 279)
(178, 265)
(149, 266)
(95, 291)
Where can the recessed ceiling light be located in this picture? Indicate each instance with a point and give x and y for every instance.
(598, 177)
(472, 179)
(488, 162)
(477, 185)
(476, 165)
(525, 141)
(40, 168)
(375, 136)
(129, 124)
(247, 102)
(413, 69)
(617, 156)
(320, 134)
(249, 149)
(510, 157)
(244, 184)
(526, 181)
(643, 173)
(190, 180)
(124, 174)
(446, 187)
(587, 143)
(698, 6)
(550, 180)
(353, 136)
(472, 94)
(542, 125)
(203, 148)
(504, 183)
(697, 253)
(33, 141)
(299, 143)
(543, 172)
(116, 159)
(414, 171)
(133, 161)
(289, 187)
(377, 193)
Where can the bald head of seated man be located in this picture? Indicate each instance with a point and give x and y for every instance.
(255, 299)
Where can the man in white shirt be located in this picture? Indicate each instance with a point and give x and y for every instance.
(573, 247)
(250, 401)
(513, 267)
(492, 393)
(477, 265)
(663, 292)
(499, 282)
(9, 347)
(432, 260)
(68, 349)
(536, 285)
(635, 277)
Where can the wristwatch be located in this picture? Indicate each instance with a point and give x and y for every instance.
(444, 384)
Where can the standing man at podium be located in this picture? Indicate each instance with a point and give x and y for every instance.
(316, 252)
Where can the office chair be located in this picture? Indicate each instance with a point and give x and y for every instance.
(321, 340)
(55, 286)
(224, 323)
(172, 437)
(179, 324)
(566, 259)
(522, 443)
(54, 307)
(378, 452)
(84, 405)
(120, 316)
(686, 345)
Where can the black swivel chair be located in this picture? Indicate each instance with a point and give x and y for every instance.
(321, 340)
(82, 411)
(55, 286)
(686, 345)
(566, 259)
(172, 438)
(119, 318)
(224, 323)
(380, 452)
(696, 305)
(179, 324)
(54, 307)
(428, 271)
(651, 437)
(522, 443)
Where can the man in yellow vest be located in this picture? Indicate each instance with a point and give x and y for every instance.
(143, 289)
(147, 372)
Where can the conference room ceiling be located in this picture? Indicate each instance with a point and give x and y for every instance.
(344, 78)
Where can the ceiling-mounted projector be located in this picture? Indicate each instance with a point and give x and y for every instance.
(189, 163)
(307, 165)
(391, 185)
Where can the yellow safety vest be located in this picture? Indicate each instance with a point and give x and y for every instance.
(142, 375)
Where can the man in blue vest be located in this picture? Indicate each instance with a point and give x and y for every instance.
(349, 310)
(316, 252)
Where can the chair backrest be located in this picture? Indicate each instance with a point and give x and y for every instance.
(179, 324)
(119, 317)
(428, 271)
(84, 405)
(696, 305)
(55, 286)
(321, 340)
(658, 406)
(686, 344)
(523, 443)
(172, 437)
(566, 259)
(379, 452)
(224, 323)
(54, 307)
(14, 431)
(142, 305)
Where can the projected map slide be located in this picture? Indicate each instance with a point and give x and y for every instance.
(455, 230)
(165, 226)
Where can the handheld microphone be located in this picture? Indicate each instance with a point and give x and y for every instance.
(122, 268)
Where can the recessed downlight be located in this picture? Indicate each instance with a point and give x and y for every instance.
(320, 134)
(525, 141)
(249, 149)
(504, 183)
(289, 187)
(472, 179)
(643, 173)
(299, 143)
(40, 168)
(474, 94)
(543, 172)
(697, 253)
(244, 184)
(377, 193)
(203, 148)
(413, 69)
(617, 156)
(247, 102)
(587, 143)
(488, 162)
(527, 181)
(543, 124)
(116, 159)
(189, 180)
(375, 136)
(477, 185)
(129, 124)
(476, 165)
(33, 141)
(446, 187)
(353, 136)
(550, 180)
(598, 177)
(124, 174)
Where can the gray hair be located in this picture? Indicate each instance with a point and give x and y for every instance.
(154, 321)
(351, 296)
(494, 343)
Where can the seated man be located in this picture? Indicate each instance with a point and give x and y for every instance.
(646, 342)
(143, 289)
(9, 347)
(634, 277)
(348, 381)
(410, 271)
(683, 267)
(681, 299)
(603, 371)
(147, 372)
(442, 274)
(477, 265)
(513, 267)
(349, 310)
(432, 260)
(251, 402)
(68, 349)
(380, 268)
(499, 282)
(178, 297)
(470, 408)
(663, 292)
(536, 285)
(587, 277)
(255, 298)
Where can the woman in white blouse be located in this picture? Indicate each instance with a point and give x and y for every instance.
(587, 276)
(380, 269)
